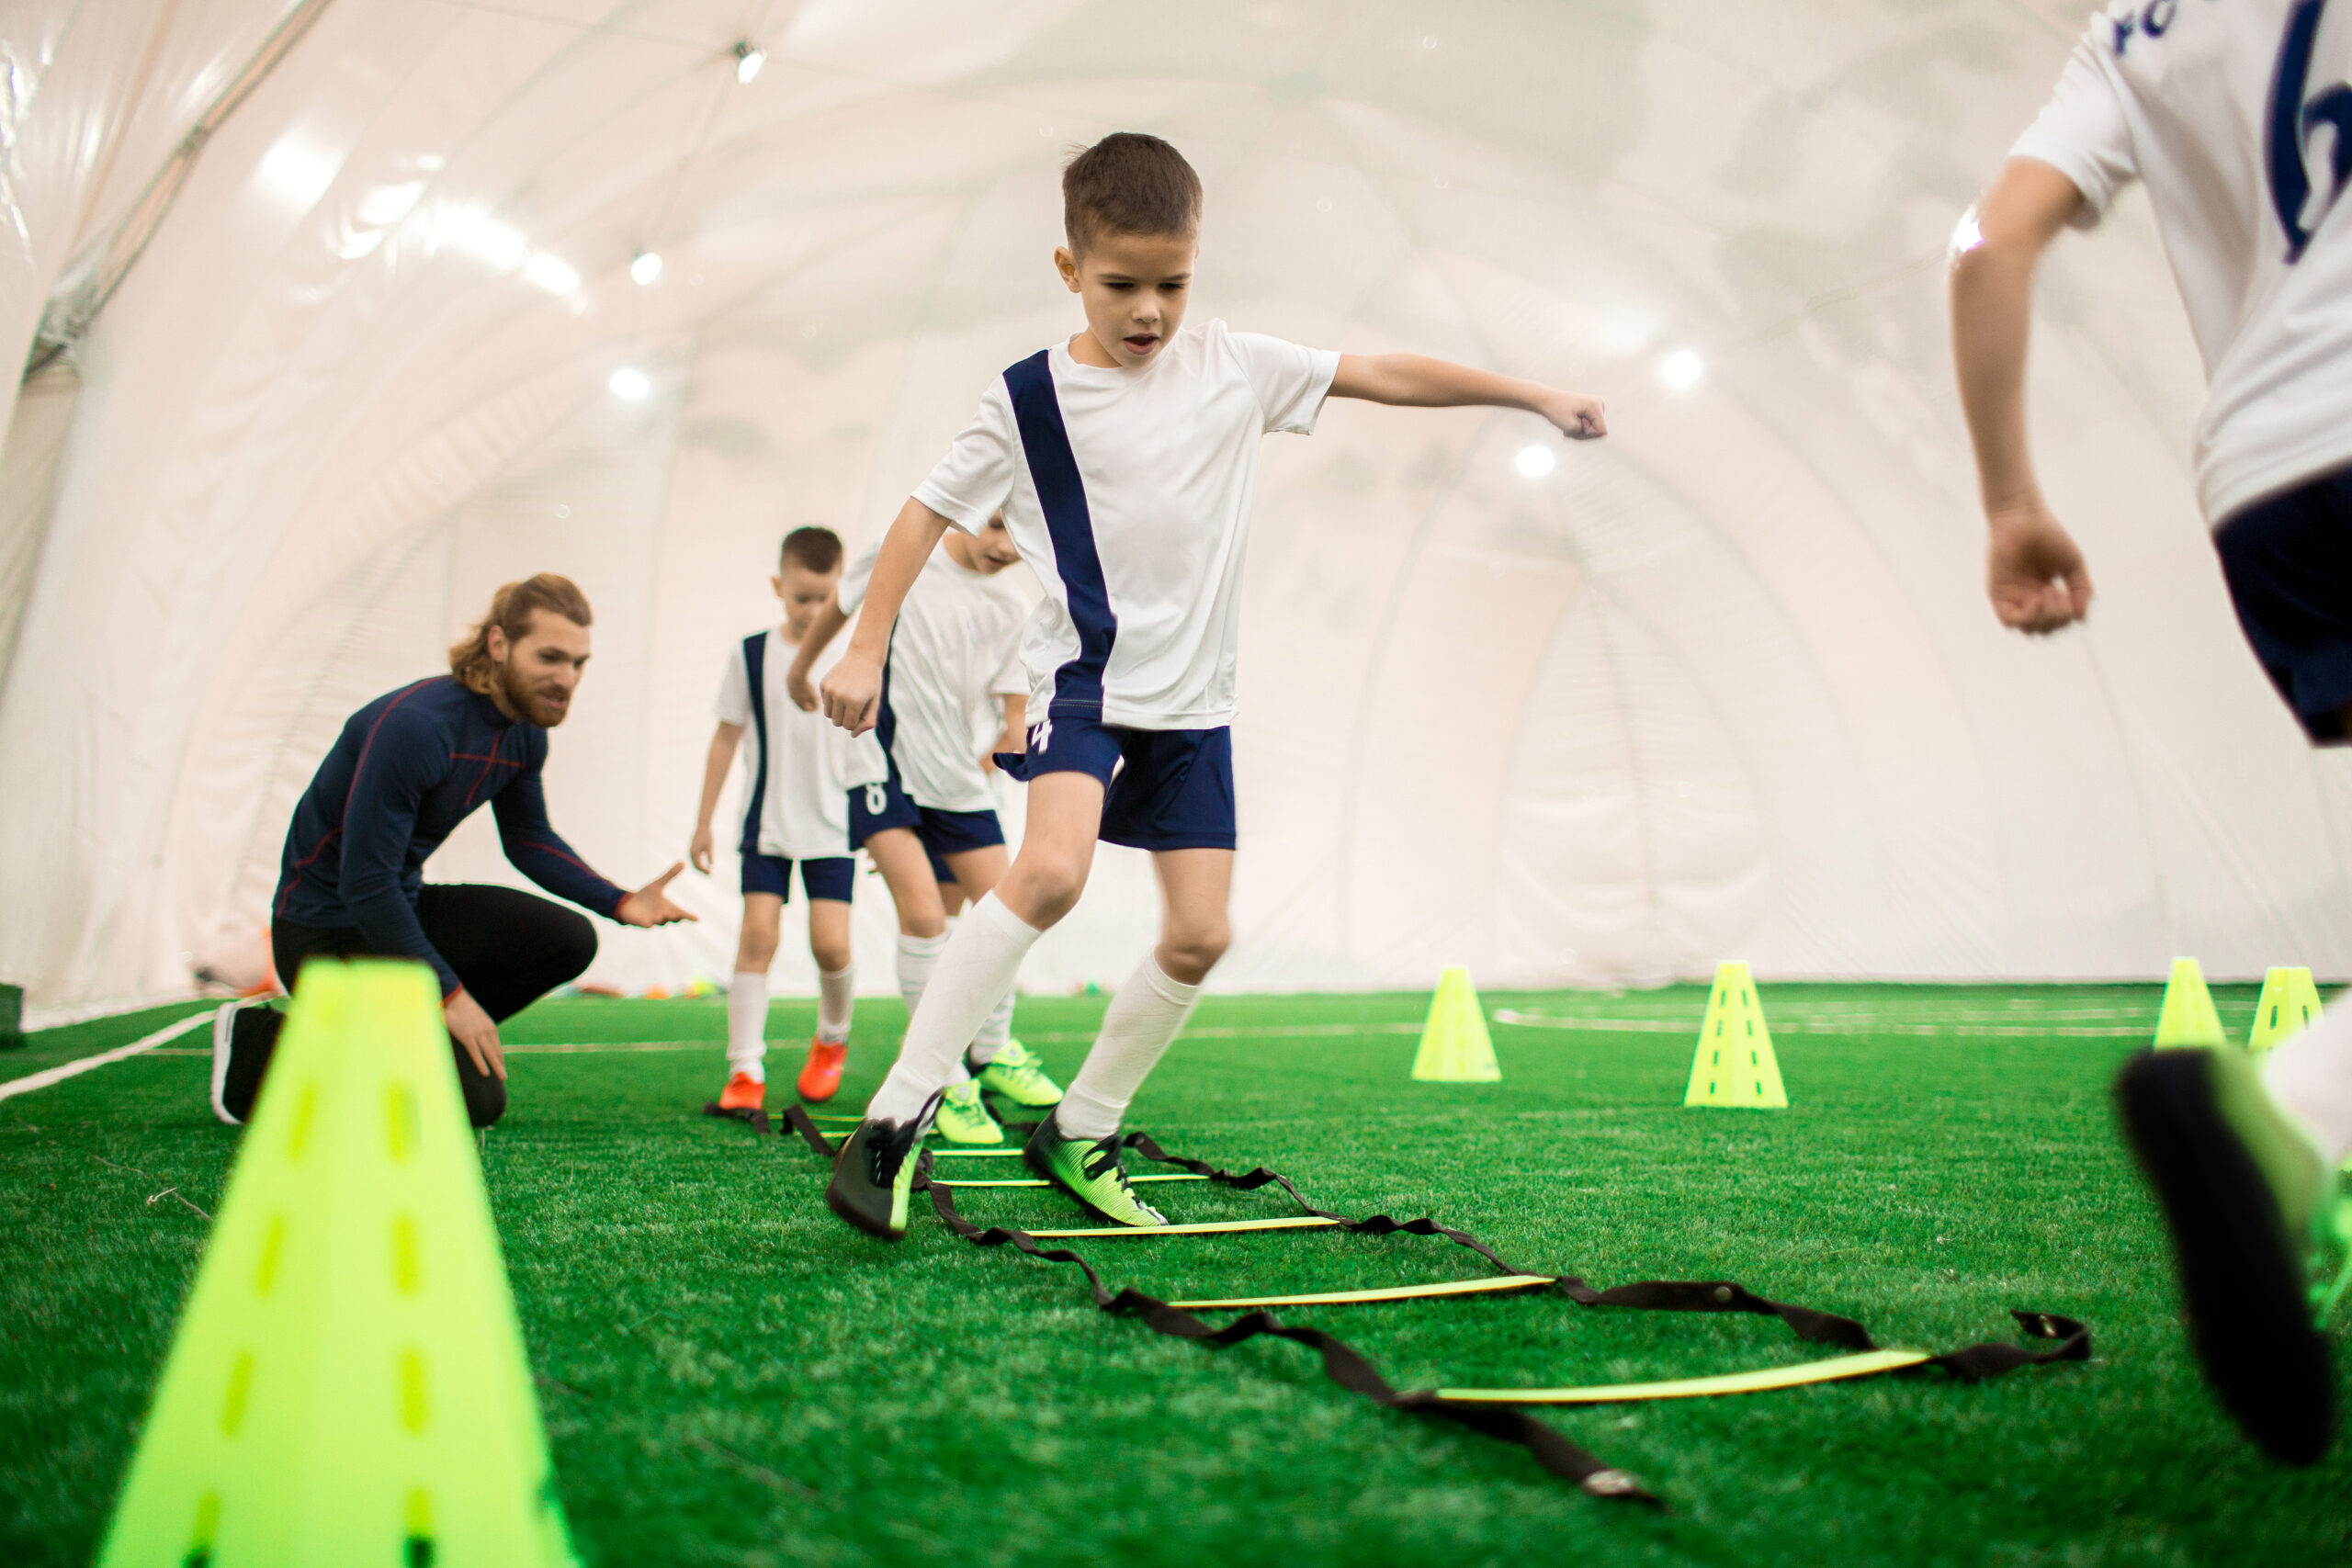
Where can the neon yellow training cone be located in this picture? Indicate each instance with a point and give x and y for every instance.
(347, 1383)
(2187, 1018)
(2289, 1004)
(1735, 1066)
(1455, 1047)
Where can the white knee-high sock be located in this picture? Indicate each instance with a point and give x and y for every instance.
(1139, 1026)
(975, 969)
(995, 1029)
(747, 1024)
(2311, 1077)
(836, 1000)
(918, 956)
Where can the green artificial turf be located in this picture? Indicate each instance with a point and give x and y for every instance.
(729, 1376)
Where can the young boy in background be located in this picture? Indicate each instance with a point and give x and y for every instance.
(2219, 110)
(952, 673)
(796, 773)
(1124, 461)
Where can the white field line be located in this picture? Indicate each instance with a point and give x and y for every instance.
(1803, 1026)
(139, 1047)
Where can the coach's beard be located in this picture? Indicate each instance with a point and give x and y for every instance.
(543, 705)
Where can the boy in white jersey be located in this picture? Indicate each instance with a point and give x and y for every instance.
(954, 672)
(2239, 119)
(1124, 460)
(795, 774)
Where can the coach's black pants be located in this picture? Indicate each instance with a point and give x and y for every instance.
(509, 950)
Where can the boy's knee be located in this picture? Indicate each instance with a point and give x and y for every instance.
(832, 957)
(1188, 956)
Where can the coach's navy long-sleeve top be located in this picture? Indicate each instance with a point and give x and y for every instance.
(406, 769)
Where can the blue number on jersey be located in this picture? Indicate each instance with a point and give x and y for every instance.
(2293, 117)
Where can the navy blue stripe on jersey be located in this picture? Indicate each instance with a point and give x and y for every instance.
(755, 667)
(1053, 468)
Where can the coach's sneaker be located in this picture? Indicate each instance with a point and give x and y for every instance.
(1088, 1172)
(874, 1174)
(743, 1093)
(821, 1076)
(963, 1119)
(1013, 1072)
(2246, 1196)
(242, 1040)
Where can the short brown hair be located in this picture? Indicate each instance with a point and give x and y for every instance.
(819, 549)
(1128, 183)
(511, 609)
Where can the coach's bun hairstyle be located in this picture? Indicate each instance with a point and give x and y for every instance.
(1128, 183)
(812, 548)
(511, 609)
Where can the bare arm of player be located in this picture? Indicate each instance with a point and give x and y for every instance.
(1415, 380)
(723, 742)
(2034, 572)
(1014, 738)
(852, 688)
(821, 632)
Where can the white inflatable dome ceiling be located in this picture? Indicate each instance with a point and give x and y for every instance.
(1724, 684)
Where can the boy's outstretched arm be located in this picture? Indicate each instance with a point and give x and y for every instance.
(1415, 380)
(821, 632)
(2034, 573)
(852, 688)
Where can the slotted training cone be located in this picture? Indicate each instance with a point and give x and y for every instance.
(1734, 1065)
(347, 1384)
(2289, 1003)
(1455, 1047)
(2188, 1017)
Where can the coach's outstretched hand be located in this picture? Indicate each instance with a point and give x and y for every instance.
(651, 905)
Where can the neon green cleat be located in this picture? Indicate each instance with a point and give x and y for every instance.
(1013, 1072)
(874, 1174)
(963, 1119)
(1088, 1172)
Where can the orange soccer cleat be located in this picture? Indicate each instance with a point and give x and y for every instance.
(821, 1079)
(743, 1092)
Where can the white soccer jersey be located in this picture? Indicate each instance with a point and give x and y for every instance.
(2239, 117)
(797, 767)
(1128, 491)
(954, 657)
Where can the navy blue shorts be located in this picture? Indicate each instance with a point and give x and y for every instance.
(2289, 564)
(873, 808)
(832, 877)
(1162, 789)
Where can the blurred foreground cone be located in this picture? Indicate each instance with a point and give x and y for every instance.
(1734, 1065)
(347, 1384)
(1455, 1047)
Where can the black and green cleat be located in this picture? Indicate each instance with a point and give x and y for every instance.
(2243, 1193)
(1090, 1172)
(874, 1175)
